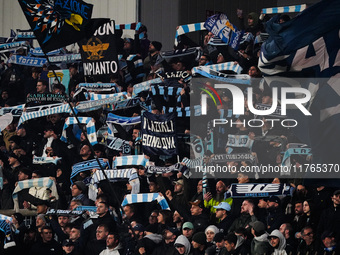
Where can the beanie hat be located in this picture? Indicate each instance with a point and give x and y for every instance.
(42, 217)
(18, 217)
(151, 228)
(199, 238)
(81, 186)
(157, 45)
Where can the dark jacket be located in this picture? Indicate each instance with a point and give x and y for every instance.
(149, 242)
(50, 248)
(274, 219)
(242, 221)
(94, 247)
(330, 220)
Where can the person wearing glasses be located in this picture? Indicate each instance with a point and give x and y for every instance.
(204, 60)
(308, 244)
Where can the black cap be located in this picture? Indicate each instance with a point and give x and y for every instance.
(174, 230)
(43, 202)
(327, 233)
(337, 192)
(151, 228)
(19, 217)
(218, 237)
(80, 185)
(274, 199)
(197, 203)
(13, 155)
(157, 45)
(68, 242)
(200, 238)
(15, 138)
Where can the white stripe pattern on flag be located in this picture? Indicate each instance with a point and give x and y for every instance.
(228, 66)
(284, 9)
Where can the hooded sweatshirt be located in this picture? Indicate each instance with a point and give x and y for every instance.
(183, 241)
(114, 251)
(280, 250)
(260, 244)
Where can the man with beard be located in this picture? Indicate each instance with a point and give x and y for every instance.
(247, 216)
(180, 198)
(308, 245)
(85, 153)
(298, 210)
(210, 201)
(154, 50)
(113, 245)
(167, 245)
(51, 140)
(223, 214)
(275, 216)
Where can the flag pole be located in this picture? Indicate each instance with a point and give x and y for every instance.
(86, 139)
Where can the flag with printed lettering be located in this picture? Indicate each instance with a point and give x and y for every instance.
(59, 23)
(99, 53)
(220, 26)
(309, 46)
(159, 134)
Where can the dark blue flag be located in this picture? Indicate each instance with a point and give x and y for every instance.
(159, 134)
(59, 23)
(309, 46)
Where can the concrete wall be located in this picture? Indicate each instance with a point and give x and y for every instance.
(161, 17)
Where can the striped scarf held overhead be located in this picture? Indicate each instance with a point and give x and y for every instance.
(115, 97)
(227, 66)
(158, 90)
(4, 217)
(146, 198)
(134, 160)
(187, 29)
(88, 166)
(188, 111)
(90, 128)
(6, 228)
(129, 26)
(64, 108)
(123, 121)
(144, 86)
(15, 110)
(38, 183)
(116, 174)
(284, 9)
(45, 160)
